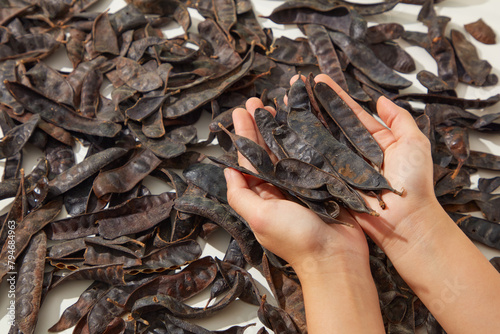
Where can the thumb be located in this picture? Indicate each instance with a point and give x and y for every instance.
(239, 195)
(397, 119)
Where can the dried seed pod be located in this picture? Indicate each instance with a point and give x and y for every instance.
(394, 56)
(478, 229)
(190, 99)
(253, 152)
(323, 48)
(450, 100)
(292, 52)
(162, 147)
(477, 69)
(103, 36)
(81, 307)
(432, 82)
(29, 284)
(114, 227)
(481, 32)
(26, 228)
(365, 60)
(51, 83)
(208, 208)
(384, 32)
(225, 13)
(197, 276)
(59, 114)
(112, 274)
(351, 167)
(136, 76)
(457, 140)
(14, 140)
(308, 13)
(349, 123)
(78, 173)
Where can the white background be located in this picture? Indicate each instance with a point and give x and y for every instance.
(460, 12)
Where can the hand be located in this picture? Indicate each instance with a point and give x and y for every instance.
(407, 165)
(417, 234)
(286, 228)
(331, 260)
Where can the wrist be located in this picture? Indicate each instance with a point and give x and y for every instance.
(344, 287)
(343, 265)
(418, 232)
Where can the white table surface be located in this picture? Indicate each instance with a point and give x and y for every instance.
(460, 11)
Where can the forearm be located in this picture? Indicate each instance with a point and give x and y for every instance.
(341, 299)
(450, 275)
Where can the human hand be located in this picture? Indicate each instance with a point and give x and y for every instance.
(407, 165)
(286, 228)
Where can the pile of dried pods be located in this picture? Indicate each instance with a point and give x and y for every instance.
(141, 249)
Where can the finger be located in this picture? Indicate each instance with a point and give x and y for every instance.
(251, 105)
(244, 126)
(398, 119)
(254, 103)
(295, 77)
(239, 195)
(267, 191)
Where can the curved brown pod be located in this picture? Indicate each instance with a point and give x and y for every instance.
(124, 178)
(59, 114)
(112, 274)
(51, 83)
(197, 276)
(478, 229)
(363, 58)
(334, 17)
(14, 140)
(477, 69)
(103, 36)
(304, 175)
(182, 310)
(145, 106)
(456, 139)
(253, 152)
(394, 56)
(223, 50)
(78, 173)
(481, 32)
(78, 310)
(194, 97)
(26, 228)
(432, 82)
(350, 166)
(29, 284)
(162, 147)
(225, 13)
(450, 100)
(323, 48)
(52, 130)
(114, 227)
(483, 160)
(292, 51)
(371, 8)
(384, 32)
(136, 76)
(217, 213)
(349, 123)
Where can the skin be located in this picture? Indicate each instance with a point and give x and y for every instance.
(414, 231)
